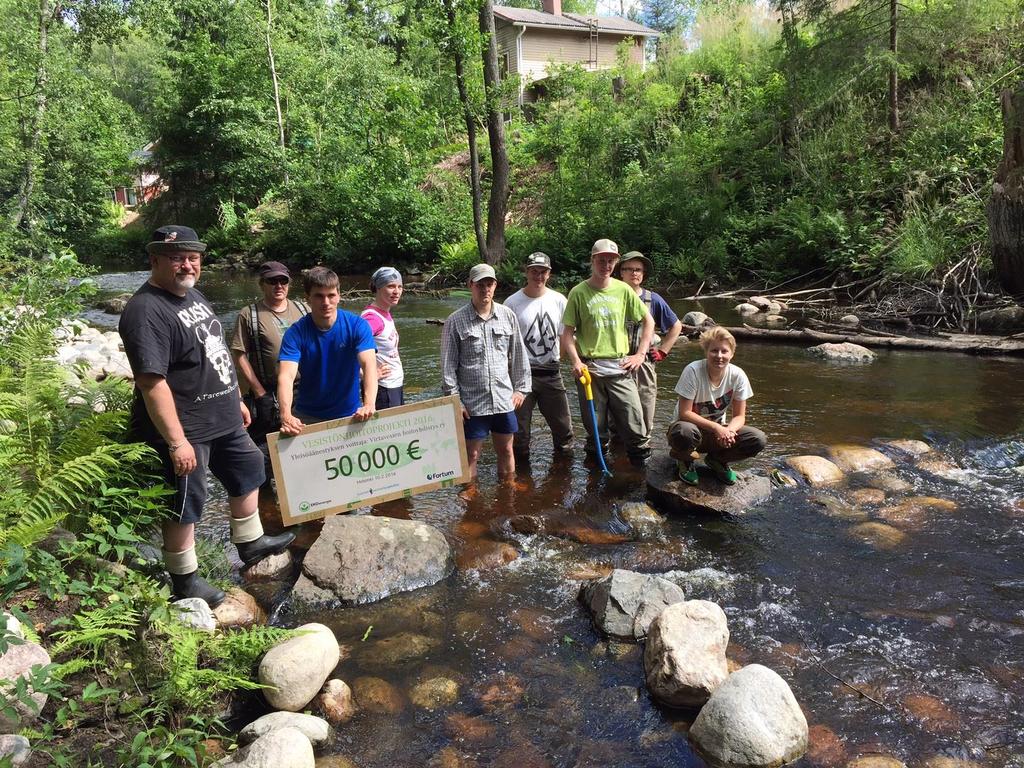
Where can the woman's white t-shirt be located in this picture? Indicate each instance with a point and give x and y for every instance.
(709, 401)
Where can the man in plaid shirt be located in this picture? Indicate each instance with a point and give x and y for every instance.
(484, 362)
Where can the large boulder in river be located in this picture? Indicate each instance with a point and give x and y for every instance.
(843, 353)
(710, 496)
(697, 319)
(751, 720)
(295, 669)
(17, 662)
(285, 747)
(816, 470)
(746, 308)
(685, 659)
(363, 559)
(624, 603)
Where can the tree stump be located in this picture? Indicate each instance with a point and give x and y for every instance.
(1006, 205)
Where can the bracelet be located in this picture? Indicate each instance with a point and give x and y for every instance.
(172, 447)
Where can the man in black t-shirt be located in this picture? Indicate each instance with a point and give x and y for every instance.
(187, 407)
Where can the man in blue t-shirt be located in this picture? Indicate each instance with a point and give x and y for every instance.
(327, 349)
(632, 270)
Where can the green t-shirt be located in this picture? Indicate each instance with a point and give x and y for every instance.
(599, 318)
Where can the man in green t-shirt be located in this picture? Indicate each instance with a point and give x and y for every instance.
(595, 336)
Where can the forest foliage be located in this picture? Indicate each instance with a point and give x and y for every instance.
(757, 141)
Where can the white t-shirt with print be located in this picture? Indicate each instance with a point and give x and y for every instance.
(708, 401)
(540, 322)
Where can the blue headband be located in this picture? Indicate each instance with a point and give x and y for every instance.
(385, 275)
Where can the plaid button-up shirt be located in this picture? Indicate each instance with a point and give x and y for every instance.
(483, 361)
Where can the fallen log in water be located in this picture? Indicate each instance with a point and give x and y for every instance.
(966, 344)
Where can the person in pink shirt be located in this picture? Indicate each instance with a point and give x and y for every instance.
(386, 286)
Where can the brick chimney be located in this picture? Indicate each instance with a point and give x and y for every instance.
(552, 6)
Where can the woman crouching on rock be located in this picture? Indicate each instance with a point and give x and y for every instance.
(708, 389)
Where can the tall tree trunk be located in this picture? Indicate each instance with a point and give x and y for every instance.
(498, 201)
(277, 90)
(470, 119)
(32, 139)
(1006, 205)
(894, 96)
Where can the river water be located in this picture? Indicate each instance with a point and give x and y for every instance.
(913, 649)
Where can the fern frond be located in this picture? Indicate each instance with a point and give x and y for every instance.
(94, 628)
(88, 433)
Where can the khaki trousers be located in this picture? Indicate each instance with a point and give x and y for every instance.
(617, 397)
(547, 394)
(684, 438)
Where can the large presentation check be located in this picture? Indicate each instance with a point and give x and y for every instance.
(343, 464)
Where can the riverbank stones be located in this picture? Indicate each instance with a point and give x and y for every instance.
(746, 308)
(844, 352)
(239, 609)
(697, 319)
(752, 720)
(666, 491)
(313, 728)
(684, 660)
(17, 749)
(295, 669)
(361, 559)
(337, 702)
(17, 662)
(284, 747)
(857, 458)
(815, 470)
(434, 693)
(624, 604)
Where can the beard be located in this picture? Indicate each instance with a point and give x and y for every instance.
(185, 281)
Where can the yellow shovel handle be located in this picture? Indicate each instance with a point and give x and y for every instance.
(585, 381)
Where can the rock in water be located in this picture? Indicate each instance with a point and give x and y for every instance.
(746, 309)
(816, 470)
(295, 669)
(624, 603)
(751, 720)
(763, 303)
(284, 747)
(912, 447)
(856, 458)
(666, 490)
(643, 522)
(363, 559)
(337, 702)
(843, 353)
(685, 654)
(697, 319)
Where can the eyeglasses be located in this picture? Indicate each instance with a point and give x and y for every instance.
(181, 258)
(277, 281)
(632, 269)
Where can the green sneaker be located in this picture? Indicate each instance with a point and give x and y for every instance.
(687, 473)
(721, 470)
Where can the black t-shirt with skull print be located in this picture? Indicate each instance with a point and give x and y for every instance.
(181, 339)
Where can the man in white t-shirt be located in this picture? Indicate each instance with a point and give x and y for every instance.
(539, 310)
(708, 390)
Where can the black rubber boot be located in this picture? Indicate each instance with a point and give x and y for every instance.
(254, 551)
(194, 585)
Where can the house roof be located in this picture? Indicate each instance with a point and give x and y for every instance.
(572, 21)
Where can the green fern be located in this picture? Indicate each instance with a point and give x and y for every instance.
(93, 629)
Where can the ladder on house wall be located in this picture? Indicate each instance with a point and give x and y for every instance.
(593, 24)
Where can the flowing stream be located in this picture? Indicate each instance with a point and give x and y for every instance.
(912, 648)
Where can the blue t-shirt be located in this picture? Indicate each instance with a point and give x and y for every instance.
(664, 317)
(328, 365)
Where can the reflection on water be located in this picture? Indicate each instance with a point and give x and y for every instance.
(903, 637)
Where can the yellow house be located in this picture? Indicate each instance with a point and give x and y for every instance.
(530, 41)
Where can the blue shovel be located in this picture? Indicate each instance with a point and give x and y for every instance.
(585, 380)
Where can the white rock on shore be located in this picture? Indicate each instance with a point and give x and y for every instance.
(100, 353)
(296, 669)
(284, 747)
